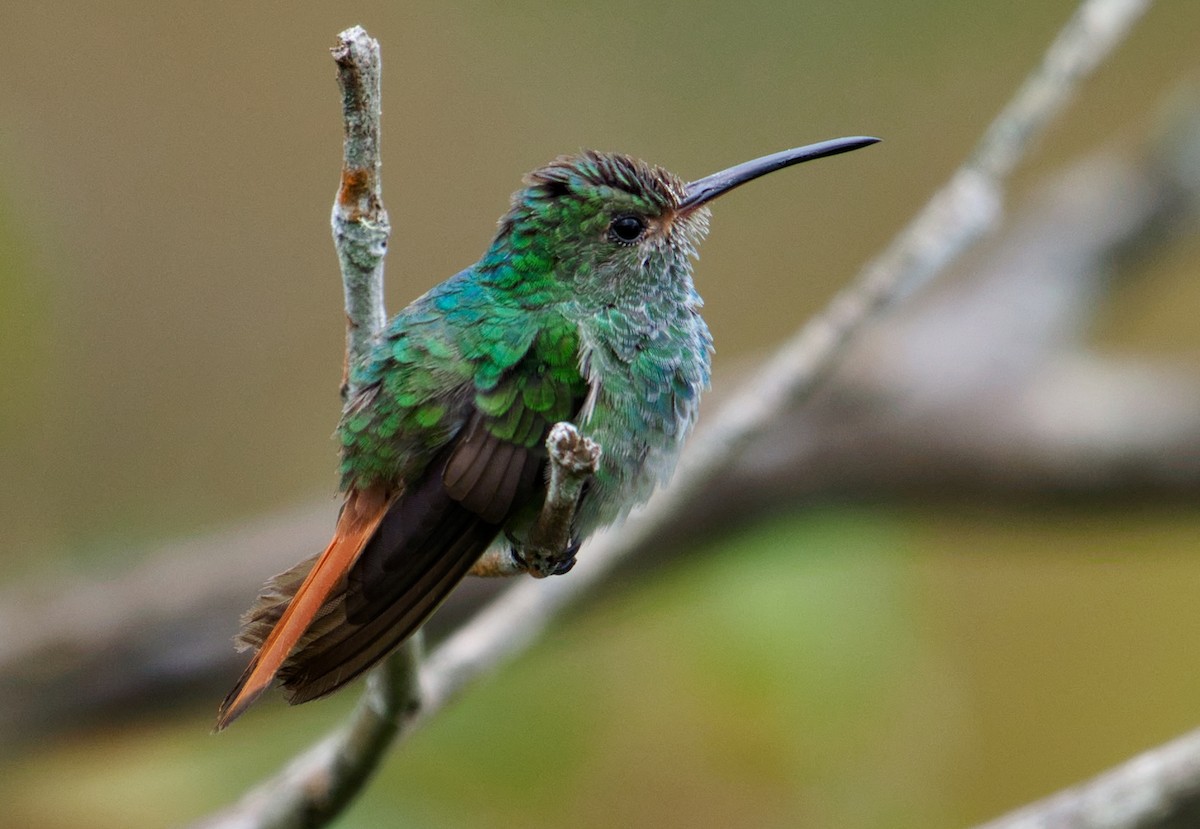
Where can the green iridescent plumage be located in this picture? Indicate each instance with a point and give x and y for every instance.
(555, 309)
(581, 310)
(453, 353)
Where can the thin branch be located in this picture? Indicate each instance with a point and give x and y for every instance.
(314, 788)
(318, 784)
(958, 215)
(360, 222)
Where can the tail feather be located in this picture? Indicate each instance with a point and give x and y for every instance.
(360, 517)
(260, 620)
(420, 551)
(330, 662)
(392, 562)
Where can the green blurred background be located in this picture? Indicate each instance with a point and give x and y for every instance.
(171, 342)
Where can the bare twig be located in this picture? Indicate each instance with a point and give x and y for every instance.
(360, 222)
(956, 216)
(318, 784)
(312, 789)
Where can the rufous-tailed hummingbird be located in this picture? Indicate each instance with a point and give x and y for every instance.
(581, 310)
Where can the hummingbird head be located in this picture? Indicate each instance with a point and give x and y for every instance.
(598, 224)
(605, 225)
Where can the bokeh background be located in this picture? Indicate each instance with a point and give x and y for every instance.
(171, 341)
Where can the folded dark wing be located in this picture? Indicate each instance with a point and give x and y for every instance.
(431, 536)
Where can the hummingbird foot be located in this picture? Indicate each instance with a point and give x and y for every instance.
(571, 452)
(517, 559)
(567, 561)
(551, 545)
(550, 548)
(540, 562)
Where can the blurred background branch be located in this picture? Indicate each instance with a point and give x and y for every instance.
(902, 415)
(1158, 789)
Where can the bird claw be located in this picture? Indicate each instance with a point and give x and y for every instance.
(540, 563)
(518, 558)
(563, 562)
(563, 566)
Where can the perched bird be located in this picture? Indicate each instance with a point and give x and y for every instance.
(581, 310)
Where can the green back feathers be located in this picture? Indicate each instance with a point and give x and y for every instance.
(503, 338)
(459, 349)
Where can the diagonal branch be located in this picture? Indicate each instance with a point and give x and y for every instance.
(949, 395)
(317, 785)
(956, 217)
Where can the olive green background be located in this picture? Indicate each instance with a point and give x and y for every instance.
(171, 342)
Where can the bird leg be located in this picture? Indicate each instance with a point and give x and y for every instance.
(551, 546)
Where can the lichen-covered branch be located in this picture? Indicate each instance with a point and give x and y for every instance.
(318, 784)
(360, 222)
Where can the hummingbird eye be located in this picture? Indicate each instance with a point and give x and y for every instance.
(625, 230)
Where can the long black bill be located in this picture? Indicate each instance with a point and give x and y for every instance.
(708, 188)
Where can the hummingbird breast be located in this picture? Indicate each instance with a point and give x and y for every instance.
(646, 366)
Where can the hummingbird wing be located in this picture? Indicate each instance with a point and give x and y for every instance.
(320, 625)
(430, 537)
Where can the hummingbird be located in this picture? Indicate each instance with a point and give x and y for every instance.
(582, 310)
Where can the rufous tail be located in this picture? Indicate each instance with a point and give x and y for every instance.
(359, 519)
